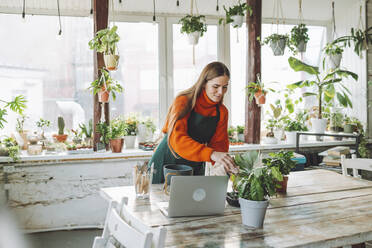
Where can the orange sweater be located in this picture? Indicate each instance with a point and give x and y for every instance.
(190, 149)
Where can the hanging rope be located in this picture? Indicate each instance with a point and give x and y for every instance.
(300, 16)
(217, 7)
(24, 9)
(91, 7)
(113, 13)
(59, 18)
(334, 20)
(360, 23)
(277, 15)
(153, 17)
(178, 3)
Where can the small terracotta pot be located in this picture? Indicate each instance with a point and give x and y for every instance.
(103, 95)
(260, 97)
(116, 145)
(283, 183)
(60, 137)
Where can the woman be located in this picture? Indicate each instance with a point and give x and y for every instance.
(196, 126)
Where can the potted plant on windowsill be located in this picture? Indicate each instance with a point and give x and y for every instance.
(240, 131)
(130, 133)
(334, 55)
(258, 91)
(194, 27)
(87, 130)
(20, 129)
(43, 124)
(146, 129)
(116, 134)
(105, 41)
(235, 14)
(283, 161)
(277, 42)
(325, 88)
(105, 85)
(299, 37)
(61, 136)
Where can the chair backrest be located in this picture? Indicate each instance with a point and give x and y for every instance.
(355, 164)
(159, 233)
(122, 232)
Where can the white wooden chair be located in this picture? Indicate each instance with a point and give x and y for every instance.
(355, 164)
(122, 229)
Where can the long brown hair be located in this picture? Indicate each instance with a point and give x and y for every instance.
(210, 71)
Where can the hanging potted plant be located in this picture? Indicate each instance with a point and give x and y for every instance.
(283, 161)
(235, 14)
(104, 85)
(105, 41)
(360, 38)
(334, 55)
(277, 42)
(194, 27)
(130, 133)
(325, 88)
(257, 90)
(299, 37)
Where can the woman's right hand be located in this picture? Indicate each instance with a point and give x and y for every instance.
(225, 159)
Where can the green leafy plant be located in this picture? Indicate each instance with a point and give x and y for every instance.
(192, 24)
(231, 133)
(115, 130)
(333, 49)
(20, 123)
(61, 125)
(87, 130)
(239, 9)
(337, 120)
(149, 123)
(281, 160)
(360, 38)
(131, 125)
(254, 87)
(294, 126)
(11, 148)
(240, 129)
(299, 34)
(18, 104)
(325, 86)
(43, 123)
(105, 41)
(275, 38)
(105, 81)
(103, 130)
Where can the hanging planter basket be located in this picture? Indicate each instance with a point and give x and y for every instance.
(260, 97)
(334, 60)
(111, 61)
(237, 21)
(278, 46)
(301, 47)
(103, 95)
(193, 38)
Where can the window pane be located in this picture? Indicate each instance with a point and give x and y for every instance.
(138, 70)
(184, 72)
(52, 72)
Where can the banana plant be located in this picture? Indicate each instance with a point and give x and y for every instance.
(325, 84)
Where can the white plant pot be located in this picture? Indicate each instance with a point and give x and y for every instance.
(241, 137)
(129, 141)
(111, 61)
(237, 21)
(334, 61)
(270, 140)
(291, 137)
(253, 212)
(318, 125)
(144, 133)
(278, 134)
(193, 38)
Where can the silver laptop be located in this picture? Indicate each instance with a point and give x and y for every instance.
(195, 196)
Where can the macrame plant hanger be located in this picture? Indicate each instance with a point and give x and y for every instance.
(277, 15)
(191, 13)
(334, 32)
(59, 19)
(361, 27)
(300, 15)
(237, 29)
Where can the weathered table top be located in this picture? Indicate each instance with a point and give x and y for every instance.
(321, 209)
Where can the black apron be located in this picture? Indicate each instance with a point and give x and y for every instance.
(201, 129)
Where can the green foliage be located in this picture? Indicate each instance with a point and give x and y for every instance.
(239, 9)
(115, 130)
(231, 133)
(240, 129)
(11, 147)
(245, 162)
(20, 123)
(192, 24)
(337, 119)
(106, 82)
(103, 130)
(43, 123)
(282, 160)
(87, 130)
(298, 34)
(360, 38)
(61, 125)
(276, 38)
(105, 41)
(326, 85)
(254, 87)
(294, 125)
(149, 123)
(333, 49)
(131, 125)
(18, 104)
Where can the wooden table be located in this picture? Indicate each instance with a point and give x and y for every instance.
(321, 209)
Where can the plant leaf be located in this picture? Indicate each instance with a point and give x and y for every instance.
(298, 65)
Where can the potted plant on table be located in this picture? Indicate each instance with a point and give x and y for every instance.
(130, 133)
(278, 43)
(61, 136)
(235, 14)
(194, 27)
(105, 85)
(334, 55)
(349, 125)
(105, 41)
(325, 88)
(283, 161)
(299, 37)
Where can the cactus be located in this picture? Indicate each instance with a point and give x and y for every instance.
(61, 125)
